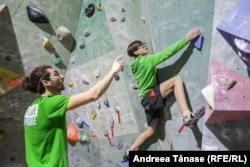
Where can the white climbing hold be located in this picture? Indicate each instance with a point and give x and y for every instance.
(62, 32)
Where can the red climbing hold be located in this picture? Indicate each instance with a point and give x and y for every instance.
(16, 81)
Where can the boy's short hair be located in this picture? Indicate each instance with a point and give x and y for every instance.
(132, 47)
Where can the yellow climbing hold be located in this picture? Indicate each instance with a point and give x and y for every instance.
(47, 44)
(71, 84)
(93, 115)
(2, 134)
(98, 6)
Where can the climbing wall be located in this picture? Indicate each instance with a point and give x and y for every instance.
(227, 117)
(106, 128)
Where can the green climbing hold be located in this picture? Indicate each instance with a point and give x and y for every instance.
(57, 60)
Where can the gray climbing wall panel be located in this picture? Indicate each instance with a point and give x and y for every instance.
(93, 36)
(190, 63)
(158, 23)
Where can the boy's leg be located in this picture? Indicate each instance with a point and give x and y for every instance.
(149, 131)
(140, 139)
(175, 84)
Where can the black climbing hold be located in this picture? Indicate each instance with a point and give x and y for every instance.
(90, 10)
(36, 15)
(8, 57)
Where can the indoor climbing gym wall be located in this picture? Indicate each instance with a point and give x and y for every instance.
(81, 39)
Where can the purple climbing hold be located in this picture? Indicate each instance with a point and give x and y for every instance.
(79, 122)
(112, 19)
(85, 79)
(36, 15)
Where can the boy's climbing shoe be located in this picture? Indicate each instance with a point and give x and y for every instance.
(194, 117)
(126, 156)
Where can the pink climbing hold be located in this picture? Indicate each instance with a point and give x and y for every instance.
(112, 19)
(106, 134)
(85, 79)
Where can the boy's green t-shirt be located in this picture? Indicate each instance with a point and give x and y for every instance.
(143, 66)
(45, 132)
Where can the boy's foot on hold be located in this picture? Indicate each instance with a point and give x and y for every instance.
(126, 156)
(194, 117)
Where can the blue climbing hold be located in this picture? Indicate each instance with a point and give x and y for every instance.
(106, 102)
(117, 77)
(90, 10)
(198, 42)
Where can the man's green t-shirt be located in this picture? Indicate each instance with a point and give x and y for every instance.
(45, 132)
(143, 66)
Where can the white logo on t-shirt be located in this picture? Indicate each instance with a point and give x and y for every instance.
(30, 115)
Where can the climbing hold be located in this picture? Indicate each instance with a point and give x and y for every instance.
(143, 19)
(98, 6)
(57, 60)
(36, 15)
(2, 8)
(90, 10)
(62, 32)
(93, 134)
(224, 81)
(106, 102)
(134, 86)
(8, 57)
(85, 79)
(122, 19)
(70, 84)
(82, 45)
(83, 138)
(2, 134)
(97, 73)
(79, 122)
(98, 105)
(198, 42)
(93, 115)
(117, 110)
(86, 33)
(111, 124)
(112, 19)
(106, 134)
(117, 77)
(242, 45)
(72, 133)
(47, 44)
(15, 81)
(119, 145)
(123, 10)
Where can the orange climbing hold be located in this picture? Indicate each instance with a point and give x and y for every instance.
(93, 134)
(16, 81)
(72, 133)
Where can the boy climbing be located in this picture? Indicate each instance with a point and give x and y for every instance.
(151, 93)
